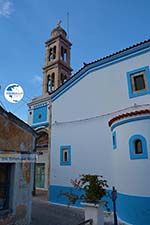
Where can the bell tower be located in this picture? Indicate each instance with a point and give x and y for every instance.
(57, 60)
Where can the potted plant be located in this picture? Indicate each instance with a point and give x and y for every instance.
(94, 189)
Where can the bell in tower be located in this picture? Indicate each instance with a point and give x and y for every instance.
(57, 61)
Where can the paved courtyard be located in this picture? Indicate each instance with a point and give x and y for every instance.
(44, 213)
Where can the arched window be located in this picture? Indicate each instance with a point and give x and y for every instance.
(42, 140)
(49, 83)
(62, 53)
(63, 78)
(138, 147)
(54, 52)
(50, 56)
(65, 55)
(53, 82)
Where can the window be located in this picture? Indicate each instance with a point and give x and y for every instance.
(53, 82)
(138, 147)
(49, 83)
(52, 54)
(63, 78)
(114, 140)
(63, 54)
(40, 175)
(50, 57)
(4, 185)
(40, 116)
(65, 155)
(42, 140)
(138, 82)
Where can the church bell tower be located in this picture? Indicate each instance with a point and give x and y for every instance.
(56, 71)
(57, 60)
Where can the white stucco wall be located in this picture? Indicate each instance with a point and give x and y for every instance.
(99, 93)
(130, 176)
(89, 152)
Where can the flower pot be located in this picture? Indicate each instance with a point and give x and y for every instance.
(95, 212)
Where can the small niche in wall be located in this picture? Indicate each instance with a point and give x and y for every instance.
(114, 141)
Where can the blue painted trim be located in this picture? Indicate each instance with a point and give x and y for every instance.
(114, 140)
(40, 124)
(133, 94)
(55, 194)
(96, 66)
(132, 153)
(129, 120)
(68, 148)
(131, 209)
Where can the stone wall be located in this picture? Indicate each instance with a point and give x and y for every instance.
(17, 137)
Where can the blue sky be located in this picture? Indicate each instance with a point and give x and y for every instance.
(97, 28)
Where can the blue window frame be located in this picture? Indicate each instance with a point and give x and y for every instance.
(138, 147)
(65, 155)
(138, 82)
(114, 140)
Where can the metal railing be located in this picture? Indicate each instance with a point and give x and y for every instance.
(86, 222)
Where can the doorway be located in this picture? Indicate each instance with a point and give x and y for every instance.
(40, 175)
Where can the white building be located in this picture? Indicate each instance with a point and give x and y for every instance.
(101, 125)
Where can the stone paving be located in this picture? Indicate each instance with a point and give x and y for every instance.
(44, 213)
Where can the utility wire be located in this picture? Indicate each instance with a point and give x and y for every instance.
(98, 116)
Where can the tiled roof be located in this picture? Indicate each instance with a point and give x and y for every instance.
(129, 114)
(116, 53)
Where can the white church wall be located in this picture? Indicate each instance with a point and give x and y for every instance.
(130, 175)
(90, 151)
(80, 120)
(100, 92)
